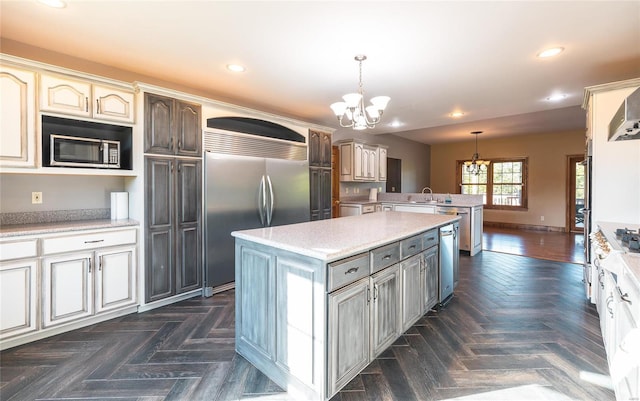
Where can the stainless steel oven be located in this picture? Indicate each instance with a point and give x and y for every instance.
(74, 151)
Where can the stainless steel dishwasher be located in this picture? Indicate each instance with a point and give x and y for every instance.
(447, 248)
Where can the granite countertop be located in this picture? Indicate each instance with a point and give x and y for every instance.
(454, 203)
(16, 230)
(335, 239)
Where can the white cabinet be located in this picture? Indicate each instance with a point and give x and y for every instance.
(60, 94)
(382, 163)
(476, 229)
(115, 280)
(66, 288)
(385, 309)
(17, 118)
(360, 162)
(413, 208)
(18, 290)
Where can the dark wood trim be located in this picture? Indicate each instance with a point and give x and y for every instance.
(518, 226)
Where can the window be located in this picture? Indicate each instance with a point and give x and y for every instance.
(504, 179)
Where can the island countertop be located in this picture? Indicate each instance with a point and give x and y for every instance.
(337, 238)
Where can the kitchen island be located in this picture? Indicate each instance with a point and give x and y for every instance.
(317, 301)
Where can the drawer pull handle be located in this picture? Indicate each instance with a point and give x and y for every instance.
(431, 238)
(352, 270)
(386, 257)
(624, 297)
(412, 247)
(94, 241)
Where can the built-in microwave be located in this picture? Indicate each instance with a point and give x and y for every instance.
(85, 144)
(73, 151)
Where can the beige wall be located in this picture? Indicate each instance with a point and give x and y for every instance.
(547, 184)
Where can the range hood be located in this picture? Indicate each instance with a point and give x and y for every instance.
(625, 124)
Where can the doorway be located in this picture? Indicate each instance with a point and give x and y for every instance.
(394, 175)
(576, 193)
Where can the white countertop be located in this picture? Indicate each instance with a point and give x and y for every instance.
(338, 238)
(631, 260)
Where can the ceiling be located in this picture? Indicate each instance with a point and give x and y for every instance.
(430, 57)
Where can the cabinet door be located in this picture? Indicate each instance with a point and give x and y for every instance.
(113, 104)
(158, 118)
(372, 164)
(17, 118)
(67, 291)
(359, 162)
(115, 284)
(411, 291)
(348, 333)
(464, 236)
(476, 230)
(188, 226)
(159, 243)
(325, 149)
(382, 164)
(385, 309)
(430, 278)
(325, 193)
(18, 294)
(347, 163)
(315, 192)
(315, 149)
(63, 95)
(188, 129)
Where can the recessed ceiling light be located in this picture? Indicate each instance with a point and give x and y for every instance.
(236, 68)
(554, 51)
(53, 3)
(557, 97)
(456, 114)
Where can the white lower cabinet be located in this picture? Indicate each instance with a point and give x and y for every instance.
(18, 290)
(66, 288)
(115, 281)
(56, 283)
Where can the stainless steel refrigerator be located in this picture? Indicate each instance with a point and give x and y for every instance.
(268, 188)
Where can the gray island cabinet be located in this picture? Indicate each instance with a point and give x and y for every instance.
(316, 302)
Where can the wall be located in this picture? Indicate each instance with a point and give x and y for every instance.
(415, 158)
(67, 192)
(547, 183)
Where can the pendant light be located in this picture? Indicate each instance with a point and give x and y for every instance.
(357, 115)
(476, 165)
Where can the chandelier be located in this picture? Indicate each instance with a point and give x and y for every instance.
(357, 115)
(476, 165)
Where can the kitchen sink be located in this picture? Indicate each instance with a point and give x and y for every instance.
(432, 202)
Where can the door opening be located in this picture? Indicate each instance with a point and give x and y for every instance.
(576, 193)
(394, 175)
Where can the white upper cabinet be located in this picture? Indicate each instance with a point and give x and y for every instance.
(361, 162)
(17, 118)
(81, 98)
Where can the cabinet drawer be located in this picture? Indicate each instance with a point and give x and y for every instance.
(19, 249)
(410, 246)
(384, 256)
(346, 271)
(88, 241)
(430, 238)
(368, 209)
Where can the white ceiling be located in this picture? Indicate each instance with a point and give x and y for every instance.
(430, 57)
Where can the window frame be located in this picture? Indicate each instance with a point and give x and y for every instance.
(489, 195)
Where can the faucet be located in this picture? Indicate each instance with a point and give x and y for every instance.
(430, 193)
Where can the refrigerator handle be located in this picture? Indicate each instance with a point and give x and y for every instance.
(270, 209)
(262, 200)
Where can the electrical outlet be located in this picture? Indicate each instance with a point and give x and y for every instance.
(36, 198)
(346, 190)
(541, 218)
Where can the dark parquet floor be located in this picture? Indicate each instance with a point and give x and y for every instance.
(518, 328)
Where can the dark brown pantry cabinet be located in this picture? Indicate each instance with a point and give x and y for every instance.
(172, 126)
(320, 174)
(173, 197)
